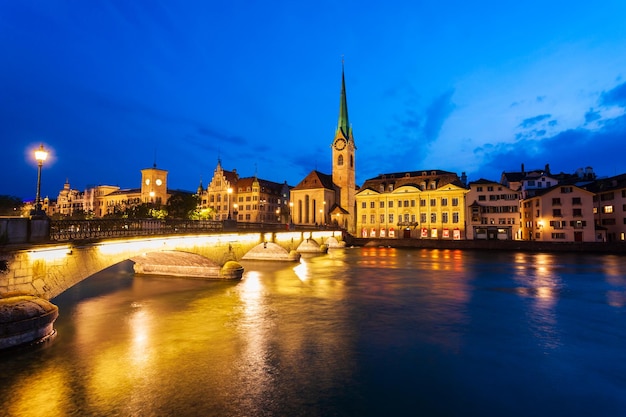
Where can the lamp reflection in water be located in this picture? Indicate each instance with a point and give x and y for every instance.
(537, 280)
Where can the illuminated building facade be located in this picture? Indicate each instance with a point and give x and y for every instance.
(414, 204)
(610, 206)
(492, 211)
(562, 213)
(249, 199)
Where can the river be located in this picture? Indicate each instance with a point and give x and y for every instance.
(355, 332)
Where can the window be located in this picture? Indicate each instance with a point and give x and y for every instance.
(607, 209)
(364, 218)
(479, 189)
(382, 218)
(558, 235)
(406, 203)
(556, 213)
(363, 204)
(433, 202)
(576, 200)
(444, 217)
(390, 188)
(455, 202)
(578, 212)
(412, 203)
(382, 204)
(423, 217)
(566, 190)
(372, 204)
(372, 218)
(390, 203)
(490, 188)
(433, 217)
(607, 196)
(444, 202)
(556, 201)
(391, 218)
(406, 218)
(422, 203)
(340, 160)
(413, 218)
(455, 217)
(482, 198)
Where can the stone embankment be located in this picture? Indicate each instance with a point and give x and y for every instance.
(508, 245)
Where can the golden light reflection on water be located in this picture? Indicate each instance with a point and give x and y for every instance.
(613, 267)
(537, 279)
(44, 393)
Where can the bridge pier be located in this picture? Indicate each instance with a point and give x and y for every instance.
(46, 270)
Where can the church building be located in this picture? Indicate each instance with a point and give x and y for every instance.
(321, 199)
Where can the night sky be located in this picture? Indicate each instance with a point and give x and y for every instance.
(111, 87)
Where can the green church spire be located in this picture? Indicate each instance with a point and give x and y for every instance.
(343, 126)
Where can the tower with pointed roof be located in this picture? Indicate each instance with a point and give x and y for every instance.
(343, 154)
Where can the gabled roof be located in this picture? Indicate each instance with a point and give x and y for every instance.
(607, 184)
(316, 180)
(484, 181)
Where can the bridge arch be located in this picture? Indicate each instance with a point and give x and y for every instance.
(47, 270)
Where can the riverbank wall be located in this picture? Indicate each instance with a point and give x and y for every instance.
(618, 248)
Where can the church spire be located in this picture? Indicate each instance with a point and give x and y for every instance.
(343, 126)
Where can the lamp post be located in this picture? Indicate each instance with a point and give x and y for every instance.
(290, 213)
(230, 191)
(278, 215)
(235, 210)
(40, 155)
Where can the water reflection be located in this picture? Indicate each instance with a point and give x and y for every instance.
(367, 332)
(538, 280)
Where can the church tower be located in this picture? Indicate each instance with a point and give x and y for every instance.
(343, 174)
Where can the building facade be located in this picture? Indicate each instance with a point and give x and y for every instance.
(563, 213)
(610, 206)
(250, 199)
(415, 204)
(492, 211)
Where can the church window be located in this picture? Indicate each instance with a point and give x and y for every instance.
(351, 161)
(340, 160)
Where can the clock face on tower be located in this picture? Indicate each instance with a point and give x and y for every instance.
(340, 144)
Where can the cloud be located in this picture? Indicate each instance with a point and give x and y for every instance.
(614, 97)
(531, 121)
(592, 116)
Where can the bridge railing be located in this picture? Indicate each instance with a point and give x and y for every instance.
(67, 230)
(63, 230)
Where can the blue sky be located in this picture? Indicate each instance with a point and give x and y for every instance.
(480, 87)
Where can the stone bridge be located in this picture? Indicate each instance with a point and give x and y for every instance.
(47, 269)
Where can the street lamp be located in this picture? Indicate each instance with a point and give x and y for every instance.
(40, 155)
(230, 191)
(290, 213)
(235, 210)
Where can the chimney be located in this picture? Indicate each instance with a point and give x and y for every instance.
(547, 169)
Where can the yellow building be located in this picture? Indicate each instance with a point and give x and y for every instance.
(414, 204)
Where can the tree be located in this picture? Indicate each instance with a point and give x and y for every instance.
(10, 205)
(181, 205)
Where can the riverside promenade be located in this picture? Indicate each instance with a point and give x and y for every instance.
(618, 248)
